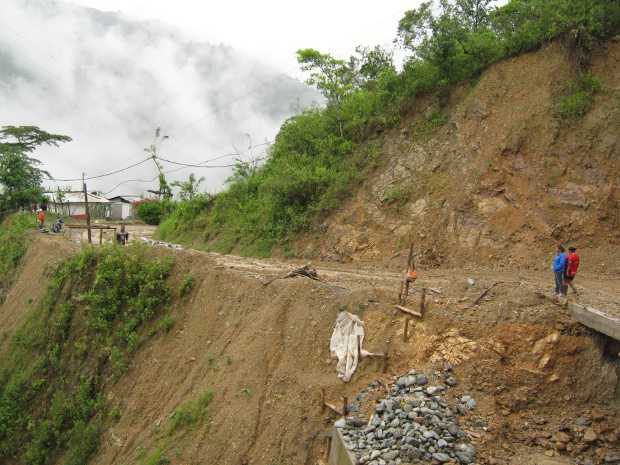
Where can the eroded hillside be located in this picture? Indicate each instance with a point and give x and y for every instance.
(237, 376)
(492, 174)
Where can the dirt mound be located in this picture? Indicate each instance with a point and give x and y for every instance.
(500, 182)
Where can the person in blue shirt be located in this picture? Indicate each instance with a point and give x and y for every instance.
(559, 269)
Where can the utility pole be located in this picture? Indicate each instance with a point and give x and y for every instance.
(164, 189)
(86, 209)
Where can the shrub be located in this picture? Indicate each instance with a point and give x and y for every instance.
(187, 285)
(579, 98)
(191, 413)
(153, 211)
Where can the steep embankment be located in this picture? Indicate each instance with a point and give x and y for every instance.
(261, 351)
(493, 174)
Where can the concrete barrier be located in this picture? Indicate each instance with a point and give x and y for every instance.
(338, 452)
(596, 319)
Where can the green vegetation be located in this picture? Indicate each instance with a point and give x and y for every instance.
(577, 101)
(397, 196)
(318, 157)
(152, 211)
(187, 285)
(13, 246)
(190, 413)
(157, 457)
(186, 417)
(20, 175)
(80, 338)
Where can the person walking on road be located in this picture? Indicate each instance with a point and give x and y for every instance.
(572, 265)
(559, 270)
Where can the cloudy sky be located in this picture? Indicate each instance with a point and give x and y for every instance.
(273, 30)
(109, 80)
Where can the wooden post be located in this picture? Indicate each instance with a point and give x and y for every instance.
(406, 333)
(423, 302)
(100, 236)
(86, 210)
(345, 406)
(322, 400)
(385, 361)
(359, 348)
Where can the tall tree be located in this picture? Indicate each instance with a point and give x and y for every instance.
(20, 174)
(334, 78)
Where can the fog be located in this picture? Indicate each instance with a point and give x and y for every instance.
(109, 82)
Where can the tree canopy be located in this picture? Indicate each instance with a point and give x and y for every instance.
(20, 174)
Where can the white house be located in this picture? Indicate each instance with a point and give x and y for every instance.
(72, 204)
(121, 208)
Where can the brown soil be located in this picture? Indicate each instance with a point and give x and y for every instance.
(264, 351)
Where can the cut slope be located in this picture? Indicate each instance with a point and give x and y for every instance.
(500, 182)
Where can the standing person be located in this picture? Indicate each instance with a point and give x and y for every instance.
(41, 218)
(122, 237)
(572, 265)
(559, 270)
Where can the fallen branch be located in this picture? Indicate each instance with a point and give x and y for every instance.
(305, 271)
(484, 293)
(434, 291)
(408, 311)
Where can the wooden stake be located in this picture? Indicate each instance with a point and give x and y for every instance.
(406, 332)
(322, 400)
(345, 406)
(100, 236)
(423, 302)
(385, 361)
(359, 348)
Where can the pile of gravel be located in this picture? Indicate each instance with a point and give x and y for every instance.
(413, 423)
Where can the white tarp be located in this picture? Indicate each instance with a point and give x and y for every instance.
(345, 344)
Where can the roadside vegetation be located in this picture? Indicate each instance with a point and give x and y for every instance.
(97, 311)
(319, 156)
(13, 247)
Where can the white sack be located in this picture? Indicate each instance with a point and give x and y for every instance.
(344, 344)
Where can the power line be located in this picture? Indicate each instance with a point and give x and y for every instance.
(101, 175)
(189, 165)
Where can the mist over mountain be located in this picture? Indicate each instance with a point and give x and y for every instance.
(109, 82)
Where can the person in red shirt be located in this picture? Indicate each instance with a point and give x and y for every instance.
(572, 265)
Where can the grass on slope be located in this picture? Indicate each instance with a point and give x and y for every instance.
(81, 338)
(13, 246)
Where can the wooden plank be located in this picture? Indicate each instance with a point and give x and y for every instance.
(408, 311)
(333, 408)
(596, 319)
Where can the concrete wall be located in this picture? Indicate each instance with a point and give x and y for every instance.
(338, 453)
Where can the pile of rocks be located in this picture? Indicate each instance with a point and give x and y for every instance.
(413, 423)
